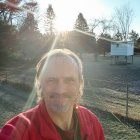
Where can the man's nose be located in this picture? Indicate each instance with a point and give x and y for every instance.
(61, 87)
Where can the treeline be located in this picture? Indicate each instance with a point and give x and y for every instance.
(21, 39)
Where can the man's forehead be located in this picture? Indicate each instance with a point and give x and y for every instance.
(63, 59)
(64, 66)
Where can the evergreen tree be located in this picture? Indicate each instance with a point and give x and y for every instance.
(8, 40)
(104, 45)
(29, 24)
(118, 36)
(138, 42)
(81, 23)
(134, 37)
(29, 35)
(49, 20)
(7, 35)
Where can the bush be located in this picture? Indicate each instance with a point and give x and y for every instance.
(16, 56)
(136, 50)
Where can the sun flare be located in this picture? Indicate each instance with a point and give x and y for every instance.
(63, 26)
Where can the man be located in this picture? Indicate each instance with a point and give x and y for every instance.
(59, 83)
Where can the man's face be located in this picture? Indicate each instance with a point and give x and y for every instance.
(61, 84)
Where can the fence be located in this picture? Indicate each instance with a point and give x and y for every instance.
(3, 76)
(115, 97)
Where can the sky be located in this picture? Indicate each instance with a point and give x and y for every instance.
(67, 11)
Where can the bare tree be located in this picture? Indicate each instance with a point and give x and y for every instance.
(123, 18)
(9, 10)
(103, 24)
(94, 23)
(106, 25)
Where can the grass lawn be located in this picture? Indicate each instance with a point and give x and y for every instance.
(115, 129)
(13, 101)
(113, 101)
(99, 100)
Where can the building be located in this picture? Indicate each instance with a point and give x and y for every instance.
(121, 51)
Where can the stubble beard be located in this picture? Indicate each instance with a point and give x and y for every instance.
(59, 107)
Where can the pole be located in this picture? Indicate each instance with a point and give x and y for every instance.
(127, 101)
(6, 76)
(132, 59)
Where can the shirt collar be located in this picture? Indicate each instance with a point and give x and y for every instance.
(84, 122)
(47, 128)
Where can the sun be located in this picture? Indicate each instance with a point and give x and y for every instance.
(58, 26)
(62, 25)
(64, 18)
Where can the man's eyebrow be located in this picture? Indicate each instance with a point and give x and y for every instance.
(70, 78)
(51, 77)
(66, 77)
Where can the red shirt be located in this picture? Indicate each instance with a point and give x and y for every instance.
(73, 133)
(35, 124)
(66, 135)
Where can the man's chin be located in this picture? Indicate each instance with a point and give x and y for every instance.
(60, 107)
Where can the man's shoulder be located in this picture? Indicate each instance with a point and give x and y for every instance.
(23, 117)
(18, 124)
(86, 113)
(89, 122)
(84, 109)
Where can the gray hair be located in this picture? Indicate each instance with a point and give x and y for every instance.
(42, 64)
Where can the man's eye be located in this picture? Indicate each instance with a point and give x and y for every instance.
(69, 80)
(51, 80)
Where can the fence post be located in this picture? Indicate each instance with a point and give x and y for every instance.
(127, 101)
(6, 76)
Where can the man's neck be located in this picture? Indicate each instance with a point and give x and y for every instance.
(63, 120)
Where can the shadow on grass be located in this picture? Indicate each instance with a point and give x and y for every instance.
(109, 116)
